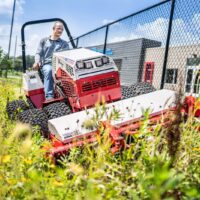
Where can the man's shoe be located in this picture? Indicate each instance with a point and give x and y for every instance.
(49, 99)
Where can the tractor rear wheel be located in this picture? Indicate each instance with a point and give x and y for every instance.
(56, 110)
(35, 117)
(13, 108)
(136, 90)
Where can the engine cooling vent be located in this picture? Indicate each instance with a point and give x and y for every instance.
(86, 87)
(63, 74)
(98, 84)
(111, 81)
(67, 85)
(68, 88)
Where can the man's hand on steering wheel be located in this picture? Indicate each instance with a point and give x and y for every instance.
(36, 66)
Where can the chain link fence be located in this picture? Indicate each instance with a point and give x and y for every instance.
(183, 62)
(158, 45)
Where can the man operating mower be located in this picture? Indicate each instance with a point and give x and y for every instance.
(43, 57)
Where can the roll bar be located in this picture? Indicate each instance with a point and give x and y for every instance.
(40, 22)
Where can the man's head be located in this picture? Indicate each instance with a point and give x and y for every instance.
(57, 29)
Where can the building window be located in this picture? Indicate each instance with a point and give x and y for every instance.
(118, 63)
(171, 76)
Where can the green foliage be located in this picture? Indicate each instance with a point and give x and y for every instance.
(146, 170)
(5, 63)
(18, 62)
(12, 66)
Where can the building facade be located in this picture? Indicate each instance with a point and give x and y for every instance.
(129, 57)
(141, 60)
(175, 75)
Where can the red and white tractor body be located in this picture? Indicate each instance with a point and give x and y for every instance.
(34, 88)
(87, 77)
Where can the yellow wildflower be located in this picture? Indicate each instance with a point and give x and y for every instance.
(196, 149)
(11, 181)
(6, 159)
(28, 161)
(58, 183)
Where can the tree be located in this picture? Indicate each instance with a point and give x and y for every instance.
(1, 54)
(5, 63)
(18, 64)
(29, 62)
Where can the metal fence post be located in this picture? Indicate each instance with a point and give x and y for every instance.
(105, 42)
(167, 44)
(77, 40)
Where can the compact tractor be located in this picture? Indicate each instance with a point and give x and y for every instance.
(84, 78)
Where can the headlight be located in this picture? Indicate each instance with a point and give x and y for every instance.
(80, 65)
(88, 65)
(105, 60)
(99, 62)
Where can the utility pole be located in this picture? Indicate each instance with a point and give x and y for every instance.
(15, 52)
(11, 28)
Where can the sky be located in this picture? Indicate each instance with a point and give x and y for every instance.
(153, 24)
(81, 16)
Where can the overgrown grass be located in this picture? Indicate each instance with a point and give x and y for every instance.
(148, 170)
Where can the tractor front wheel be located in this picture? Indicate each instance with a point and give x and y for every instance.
(13, 108)
(56, 110)
(35, 117)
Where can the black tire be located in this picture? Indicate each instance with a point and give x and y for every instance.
(136, 90)
(29, 102)
(13, 108)
(56, 110)
(35, 117)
